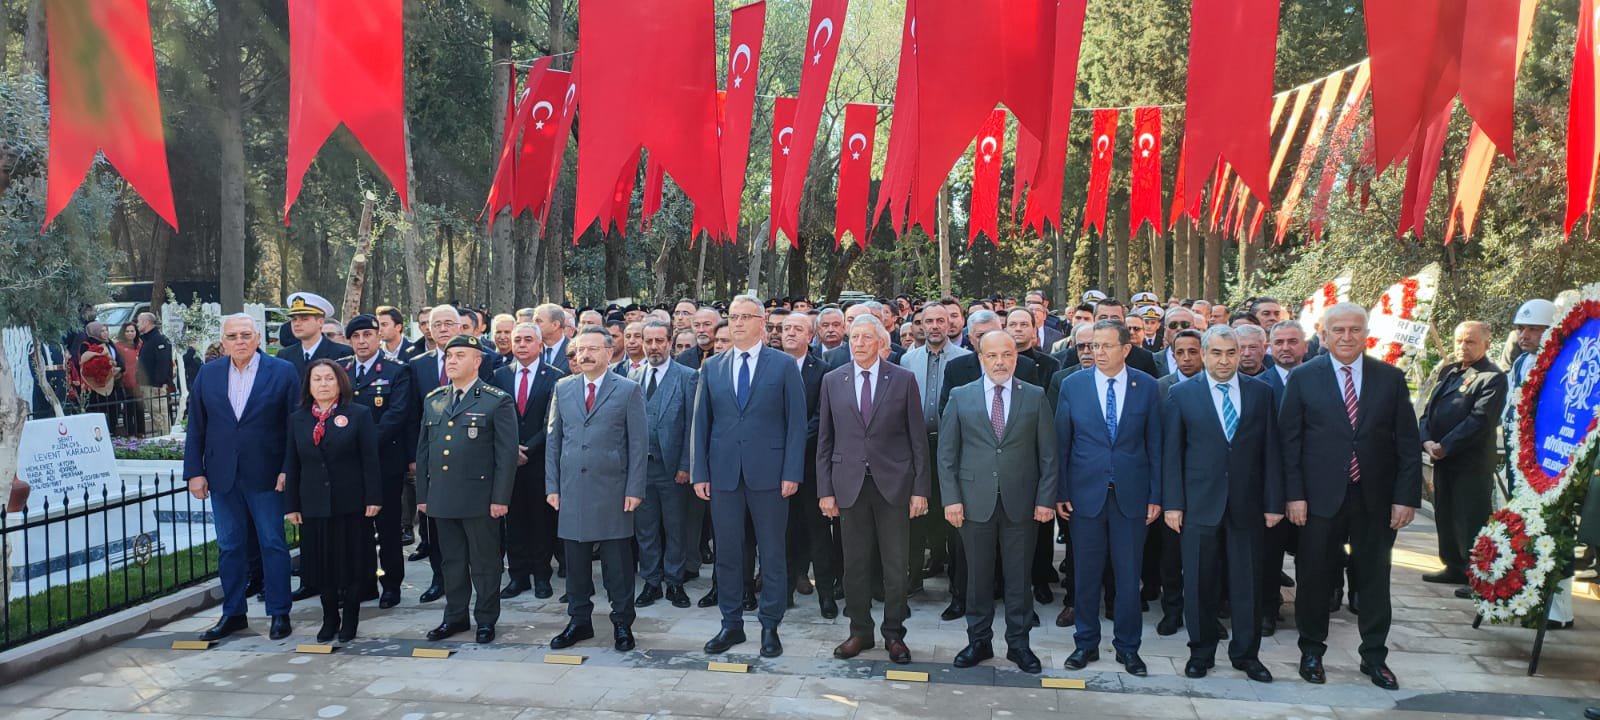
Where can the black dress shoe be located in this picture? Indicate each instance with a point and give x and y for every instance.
(677, 596)
(542, 589)
(1269, 626)
(689, 576)
(388, 599)
(1591, 713)
(279, 628)
(304, 593)
(749, 604)
(1254, 670)
(347, 630)
(1067, 617)
(228, 625)
(330, 628)
(1169, 625)
(973, 654)
(1311, 670)
(829, 606)
(771, 647)
(563, 599)
(1042, 595)
(516, 587)
(1381, 676)
(422, 553)
(709, 599)
(561, 571)
(573, 634)
(1446, 577)
(915, 589)
(1080, 659)
(724, 640)
(485, 634)
(446, 629)
(407, 538)
(1025, 659)
(434, 592)
(956, 610)
(1464, 592)
(1133, 664)
(1196, 668)
(623, 636)
(1284, 580)
(648, 596)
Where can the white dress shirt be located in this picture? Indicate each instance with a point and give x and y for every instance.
(558, 349)
(306, 351)
(1338, 375)
(1233, 396)
(857, 379)
(1121, 390)
(737, 356)
(362, 368)
(988, 396)
(597, 383)
(240, 382)
(1283, 374)
(659, 371)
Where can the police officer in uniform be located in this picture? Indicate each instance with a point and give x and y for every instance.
(466, 468)
(382, 384)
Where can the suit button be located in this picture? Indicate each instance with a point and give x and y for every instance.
(451, 423)
(445, 468)
(447, 453)
(447, 438)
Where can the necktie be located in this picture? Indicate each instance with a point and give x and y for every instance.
(997, 413)
(308, 357)
(361, 372)
(1111, 408)
(650, 386)
(930, 394)
(1230, 416)
(1350, 410)
(441, 370)
(588, 403)
(741, 388)
(866, 395)
(549, 356)
(457, 399)
(522, 394)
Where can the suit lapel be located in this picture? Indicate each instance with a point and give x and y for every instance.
(258, 390)
(1366, 393)
(1014, 414)
(600, 395)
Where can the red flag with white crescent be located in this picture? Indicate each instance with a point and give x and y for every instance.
(1232, 48)
(855, 173)
(697, 221)
(651, 202)
(1144, 189)
(540, 131)
(816, 74)
(503, 192)
(1102, 141)
(346, 65)
(1308, 152)
(782, 152)
(988, 150)
(1349, 115)
(737, 104)
(558, 149)
(1583, 117)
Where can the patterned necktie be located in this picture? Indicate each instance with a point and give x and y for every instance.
(930, 394)
(1350, 410)
(588, 403)
(741, 389)
(522, 394)
(997, 413)
(1230, 416)
(650, 387)
(866, 396)
(1111, 408)
(441, 370)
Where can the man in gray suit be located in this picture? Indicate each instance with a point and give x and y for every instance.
(594, 460)
(668, 399)
(927, 363)
(995, 498)
(870, 413)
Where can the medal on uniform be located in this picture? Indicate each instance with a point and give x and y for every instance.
(377, 401)
(472, 433)
(341, 421)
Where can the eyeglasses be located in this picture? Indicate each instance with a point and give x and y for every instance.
(1106, 346)
(683, 313)
(1179, 325)
(743, 317)
(241, 335)
(1083, 346)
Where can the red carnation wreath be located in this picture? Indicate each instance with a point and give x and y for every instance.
(1527, 460)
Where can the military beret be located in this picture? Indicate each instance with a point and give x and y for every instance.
(304, 303)
(466, 341)
(360, 322)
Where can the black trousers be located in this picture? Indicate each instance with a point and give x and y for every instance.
(1173, 582)
(469, 557)
(1276, 541)
(877, 532)
(391, 557)
(1462, 501)
(814, 540)
(530, 532)
(1014, 543)
(616, 571)
(1218, 558)
(934, 535)
(1371, 549)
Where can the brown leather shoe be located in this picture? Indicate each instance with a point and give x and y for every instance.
(1067, 618)
(852, 647)
(899, 654)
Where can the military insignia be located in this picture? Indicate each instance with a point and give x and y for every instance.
(340, 421)
(377, 401)
(472, 433)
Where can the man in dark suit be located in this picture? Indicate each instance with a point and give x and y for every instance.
(234, 454)
(552, 323)
(391, 333)
(1287, 343)
(869, 419)
(1457, 430)
(968, 368)
(530, 527)
(307, 311)
(840, 356)
(422, 345)
(1352, 472)
(813, 538)
(1184, 348)
(1138, 358)
(154, 372)
(669, 406)
(997, 476)
(1020, 324)
(594, 408)
(1108, 434)
(748, 458)
(383, 385)
(466, 469)
(704, 324)
(928, 363)
(1222, 487)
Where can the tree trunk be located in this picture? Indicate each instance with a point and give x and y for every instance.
(411, 238)
(13, 413)
(1246, 268)
(799, 270)
(356, 280)
(35, 44)
(1119, 249)
(1158, 265)
(1058, 275)
(1180, 262)
(230, 136)
(757, 243)
(1102, 257)
(942, 213)
(841, 273)
(700, 273)
(5, 41)
(450, 260)
(661, 268)
(160, 244)
(503, 263)
(44, 386)
(1196, 266)
(1213, 266)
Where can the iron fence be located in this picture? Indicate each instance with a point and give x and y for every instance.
(128, 414)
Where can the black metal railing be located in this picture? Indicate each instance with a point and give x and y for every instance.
(82, 556)
(128, 415)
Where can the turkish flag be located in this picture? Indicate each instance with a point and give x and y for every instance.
(822, 46)
(540, 154)
(503, 192)
(1102, 142)
(697, 220)
(651, 203)
(1232, 44)
(855, 173)
(900, 163)
(1144, 189)
(347, 65)
(988, 152)
(649, 78)
(1308, 152)
(1349, 115)
(558, 149)
(782, 153)
(1583, 117)
(103, 97)
(1044, 194)
(737, 104)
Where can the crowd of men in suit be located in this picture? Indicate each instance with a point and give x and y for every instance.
(1177, 450)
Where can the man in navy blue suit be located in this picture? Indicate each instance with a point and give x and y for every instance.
(749, 456)
(234, 454)
(1222, 488)
(1108, 434)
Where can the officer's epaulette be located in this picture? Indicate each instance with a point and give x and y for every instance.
(346, 359)
(439, 389)
(492, 390)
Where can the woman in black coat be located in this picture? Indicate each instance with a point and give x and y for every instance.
(332, 484)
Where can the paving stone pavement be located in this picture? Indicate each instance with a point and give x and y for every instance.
(1446, 669)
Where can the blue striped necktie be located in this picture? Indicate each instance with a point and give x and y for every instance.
(1230, 415)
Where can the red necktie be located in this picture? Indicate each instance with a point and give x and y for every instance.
(588, 404)
(441, 371)
(1350, 409)
(522, 394)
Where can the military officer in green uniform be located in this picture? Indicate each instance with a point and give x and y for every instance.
(466, 467)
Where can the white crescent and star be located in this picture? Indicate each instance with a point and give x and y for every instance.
(549, 110)
(566, 104)
(1144, 150)
(738, 75)
(1102, 144)
(855, 153)
(783, 138)
(817, 45)
(988, 147)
